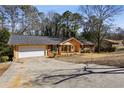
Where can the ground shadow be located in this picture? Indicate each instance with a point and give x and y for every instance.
(80, 72)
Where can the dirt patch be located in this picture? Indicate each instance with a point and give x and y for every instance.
(110, 59)
(16, 81)
(3, 67)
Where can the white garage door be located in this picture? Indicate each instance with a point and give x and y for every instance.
(28, 51)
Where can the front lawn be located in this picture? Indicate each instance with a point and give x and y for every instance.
(111, 59)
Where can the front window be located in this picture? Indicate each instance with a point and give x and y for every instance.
(67, 48)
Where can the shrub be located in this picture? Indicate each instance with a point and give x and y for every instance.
(5, 50)
(123, 42)
(87, 50)
(120, 49)
(108, 49)
(4, 58)
(52, 54)
(113, 49)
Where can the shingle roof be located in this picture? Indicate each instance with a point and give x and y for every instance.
(113, 41)
(24, 39)
(38, 40)
(85, 42)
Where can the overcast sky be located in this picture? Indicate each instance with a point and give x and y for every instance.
(118, 20)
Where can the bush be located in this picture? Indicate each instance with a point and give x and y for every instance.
(120, 49)
(113, 49)
(4, 58)
(5, 50)
(52, 55)
(86, 50)
(108, 49)
(123, 42)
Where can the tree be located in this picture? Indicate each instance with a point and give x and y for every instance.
(12, 13)
(71, 22)
(76, 23)
(5, 50)
(57, 24)
(66, 19)
(2, 17)
(119, 33)
(20, 19)
(1, 23)
(31, 20)
(116, 34)
(97, 18)
(42, 23)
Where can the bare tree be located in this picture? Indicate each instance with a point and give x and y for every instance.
(103, 14)
(12, 16)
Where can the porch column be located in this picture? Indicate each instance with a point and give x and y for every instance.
(80, 49)
(49, 50)
(59, 50)
(68, 48)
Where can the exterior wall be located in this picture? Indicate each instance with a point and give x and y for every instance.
(15, 51)
(73, 42)
(76, 45)
(92, 47)
(68, 43)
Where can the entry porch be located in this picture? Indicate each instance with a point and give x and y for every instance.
(63, 50)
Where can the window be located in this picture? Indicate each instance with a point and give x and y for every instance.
(67, 48)
(64, 48)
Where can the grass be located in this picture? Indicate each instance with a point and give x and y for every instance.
(110, 59)
(3, 67)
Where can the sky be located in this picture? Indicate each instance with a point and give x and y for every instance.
(118, 20)
(58, 8)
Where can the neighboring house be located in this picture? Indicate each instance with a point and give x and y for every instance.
(37, 46)
(115, 43)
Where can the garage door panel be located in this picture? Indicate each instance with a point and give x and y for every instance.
(29, 49)
(30, 52)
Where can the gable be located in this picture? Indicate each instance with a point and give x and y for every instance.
(67, 43)
(71, 40)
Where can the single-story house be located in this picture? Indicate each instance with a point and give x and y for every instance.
(36, 46)
(115, 42)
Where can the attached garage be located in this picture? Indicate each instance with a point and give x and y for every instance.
(30, 51)
(25, 46)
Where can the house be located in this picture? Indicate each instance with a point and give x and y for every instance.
(36, 46)
(115, 43)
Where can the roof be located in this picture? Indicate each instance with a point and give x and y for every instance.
(85, 42)
(70, 39)
(112, 41)
(36, 40)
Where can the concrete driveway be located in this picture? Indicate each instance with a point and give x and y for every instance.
(46, 72)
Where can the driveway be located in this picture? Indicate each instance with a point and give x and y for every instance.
(46, 72)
